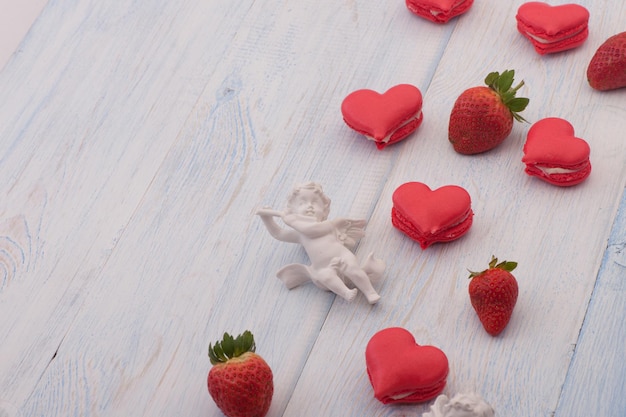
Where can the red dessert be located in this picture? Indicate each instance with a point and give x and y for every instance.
(553, 28)
(553, 154)
(401, 371)
(607, 68)
(384, 118)
(429, 216)
(438, 11)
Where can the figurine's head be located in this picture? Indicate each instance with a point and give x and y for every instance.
(309, 200)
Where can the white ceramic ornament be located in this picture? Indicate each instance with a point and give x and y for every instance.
(328, 244)
(461, 405)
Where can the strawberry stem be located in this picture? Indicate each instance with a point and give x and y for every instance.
(520, 85)
(501, 84)
(505, 265)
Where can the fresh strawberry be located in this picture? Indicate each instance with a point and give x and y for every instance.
(240, 381)
(482, 117)
(493, 293)
(607, 69)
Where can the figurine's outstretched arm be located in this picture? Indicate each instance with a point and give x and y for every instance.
(277, 232)
(304, 225)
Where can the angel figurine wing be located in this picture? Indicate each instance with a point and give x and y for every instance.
(294, 274)
(349, 231)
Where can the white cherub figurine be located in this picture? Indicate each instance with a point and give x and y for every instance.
(461, 405)
(327, 242)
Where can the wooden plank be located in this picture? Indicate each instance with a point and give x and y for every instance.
(143, 135)
(558, 236)
(595, 380)
(90, 113)
(15, 20)
(249, 139)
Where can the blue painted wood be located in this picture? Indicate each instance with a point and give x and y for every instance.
(595, 381)
(139, 138)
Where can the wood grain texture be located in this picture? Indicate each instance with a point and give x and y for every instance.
(79, 151)
(595, 381)
(15, 21)
(521, 372)
(141, 136)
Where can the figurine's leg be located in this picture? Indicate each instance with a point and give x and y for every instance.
(374, 268)
(339, 266)
(328, 278)
(362, 282)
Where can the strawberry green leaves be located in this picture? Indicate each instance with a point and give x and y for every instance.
(502, 84)
(231, 347)
(504, 265)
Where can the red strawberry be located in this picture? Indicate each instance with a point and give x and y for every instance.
(240, 381)
(482, 117)
(607, 69)
(493, 293)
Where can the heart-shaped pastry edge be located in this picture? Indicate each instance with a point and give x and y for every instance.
(403, 392)
(352, 109)
(438, 13)
(448, 230)
(552, 40)
(549, 164)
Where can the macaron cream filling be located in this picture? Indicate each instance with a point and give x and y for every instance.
(555, 170)
(547, 41)
(387, 138)
(402, 395)
(418, 393)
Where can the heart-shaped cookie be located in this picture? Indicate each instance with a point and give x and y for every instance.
(400, 370)
(430, 216)
(554, 154)
(384, 118)
(438, 11)
(553, 28)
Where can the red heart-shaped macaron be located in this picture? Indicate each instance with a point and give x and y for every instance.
(400, 370)
(384, 118)
(438, 11)
(553, 28)
(553, 153)
(430, 216)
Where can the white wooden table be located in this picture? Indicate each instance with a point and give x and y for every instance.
(137, 139)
